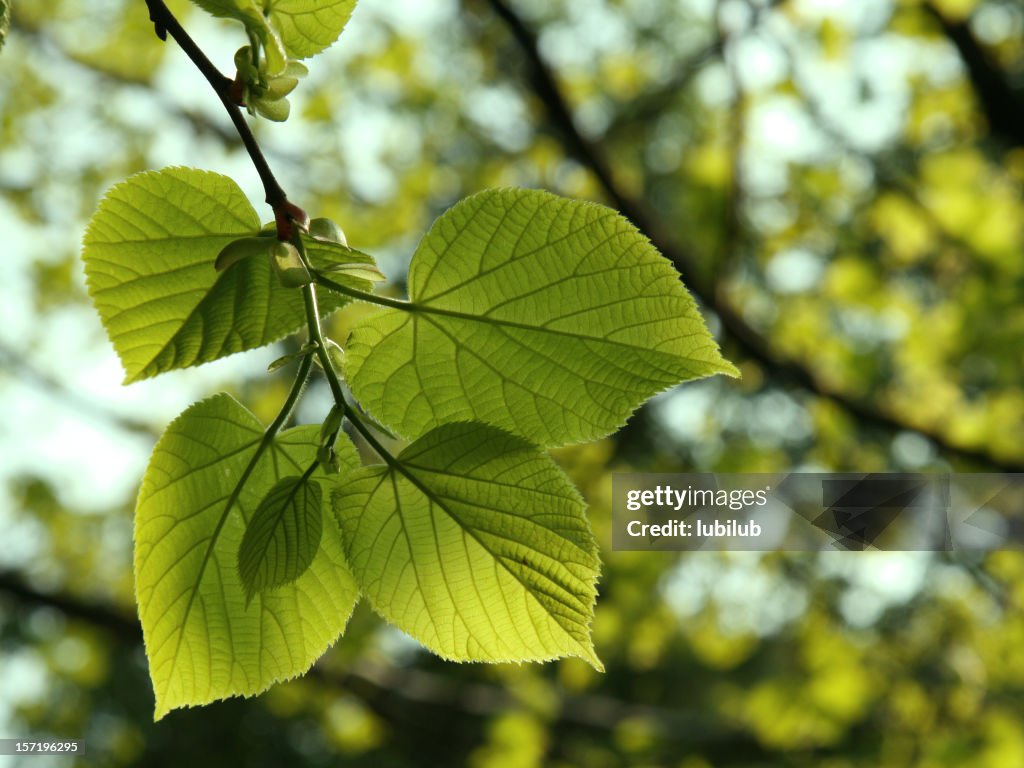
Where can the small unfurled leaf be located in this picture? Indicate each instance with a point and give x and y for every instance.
(272, 109)
(326, 231)
(296, 28)
(476, 544)
(337, 355)
(329, 429)
(288, 264)
(281, 362)
(283, 84)
(239, 249)
(549, 317)
(362, 271)
(328, 459)
(324, 255)
(283, 536)
(248, 69)
(149, 255)
(203, 642)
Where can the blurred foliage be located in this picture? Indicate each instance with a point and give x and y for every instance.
(838, 171)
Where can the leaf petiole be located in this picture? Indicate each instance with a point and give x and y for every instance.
(301, 377)
(354, 293)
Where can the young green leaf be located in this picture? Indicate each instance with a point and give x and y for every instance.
(476, 544)
(288, 265)
(552, 318)
(309, 26)
(327, 230)
(305, 27)
(203, 642)
(242, 248)
(233, 9)
(149, 258)
(283, 536)
(351, 268)
(363, 271)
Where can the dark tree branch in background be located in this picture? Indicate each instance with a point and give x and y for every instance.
(104, 616)
(732, 218)
(1003, 106)
(647, 106)
(198, 121)
(888, 176)
(384, 688)
(687, 261)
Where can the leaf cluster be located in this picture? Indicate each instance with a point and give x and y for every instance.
(532, 321)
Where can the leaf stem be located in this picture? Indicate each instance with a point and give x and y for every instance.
(353, 416)
(372, 298)
(284, 211)
(316, 334)
(301, 377)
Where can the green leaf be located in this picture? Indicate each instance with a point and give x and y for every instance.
(233, 9)
(149, 259)
(273, 109)
(549, 317)
(309, 26)
(242, 248)
(288, 265)
(305, 27)
(343, 265)
(327, 230)
(283, 536)
(476, 544)
(202, 641)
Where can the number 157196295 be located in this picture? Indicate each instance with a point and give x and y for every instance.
(40, 746)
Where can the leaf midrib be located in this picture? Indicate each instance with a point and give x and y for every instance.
(197, 584)
(411, 477)
(413, 308)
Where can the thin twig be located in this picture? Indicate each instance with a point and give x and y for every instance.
(284, 212)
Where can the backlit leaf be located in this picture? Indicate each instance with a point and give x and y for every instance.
(476, 544)
(149, 259)
(283, 536)
(306, 27)
(203, 642)
(549, 317)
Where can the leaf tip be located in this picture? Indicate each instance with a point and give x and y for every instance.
(729, 369)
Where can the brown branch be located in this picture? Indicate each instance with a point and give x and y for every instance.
(1002, 105)
(284, 212)
(382, 686)
(647, 106)
(889, 177)
(732, 215)
(688, 261)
